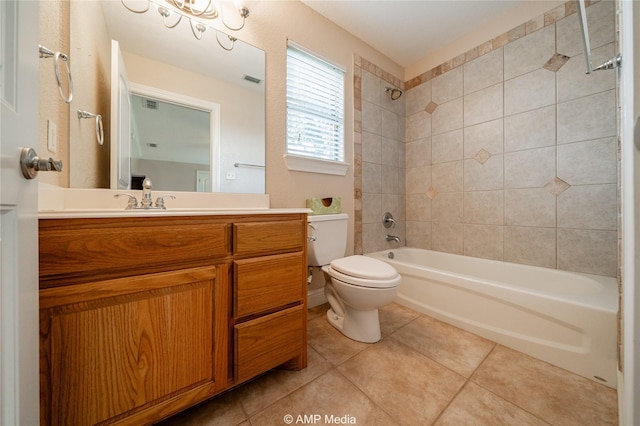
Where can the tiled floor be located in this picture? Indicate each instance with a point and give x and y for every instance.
(422, 372)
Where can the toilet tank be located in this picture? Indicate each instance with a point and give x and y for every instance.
(327, 238)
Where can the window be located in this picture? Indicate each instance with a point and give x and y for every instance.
(315, 112)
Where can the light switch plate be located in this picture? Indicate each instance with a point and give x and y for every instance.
(52, 136)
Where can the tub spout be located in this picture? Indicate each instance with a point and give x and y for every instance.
(393, 238)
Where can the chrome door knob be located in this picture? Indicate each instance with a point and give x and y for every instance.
(31, 164)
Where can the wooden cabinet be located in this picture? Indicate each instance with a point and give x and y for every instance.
(270, 305)
(255, 238)
(79, 250)
(266, 283)
(104, 345)
(268, 341)
(137, 325)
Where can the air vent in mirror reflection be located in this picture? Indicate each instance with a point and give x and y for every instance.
(150, 104)
(251, 79)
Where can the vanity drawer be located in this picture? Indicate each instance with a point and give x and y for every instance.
(75, 250)
(268, 282)
(269, 341)
(255, 238)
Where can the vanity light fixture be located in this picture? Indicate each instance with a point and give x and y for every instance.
(195, 11)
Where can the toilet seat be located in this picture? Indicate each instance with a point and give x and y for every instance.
(364, 271)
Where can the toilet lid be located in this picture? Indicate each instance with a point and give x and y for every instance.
(364, 267)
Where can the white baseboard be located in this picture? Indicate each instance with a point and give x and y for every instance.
(316, 298)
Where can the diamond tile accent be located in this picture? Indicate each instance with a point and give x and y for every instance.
(431, 107)
(431, 192)
(557, 186)
(482, 156)
(556, 62)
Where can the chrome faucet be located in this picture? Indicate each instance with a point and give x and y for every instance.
(147, 201)
(393, 238)
(388, 221)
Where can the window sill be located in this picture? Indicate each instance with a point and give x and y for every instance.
(315, 165)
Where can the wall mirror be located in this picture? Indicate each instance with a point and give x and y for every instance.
(200, 85)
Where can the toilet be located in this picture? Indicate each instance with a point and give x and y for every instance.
(355, 286)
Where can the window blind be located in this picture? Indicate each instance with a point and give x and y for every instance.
(315, 107)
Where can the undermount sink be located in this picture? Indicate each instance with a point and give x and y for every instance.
(54, 201)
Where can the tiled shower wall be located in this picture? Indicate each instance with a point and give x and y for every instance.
(381, 147)
(510, 150)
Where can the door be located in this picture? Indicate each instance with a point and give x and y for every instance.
(19, 391)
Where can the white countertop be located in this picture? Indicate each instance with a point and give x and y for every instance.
(71, 214)
(62, 203)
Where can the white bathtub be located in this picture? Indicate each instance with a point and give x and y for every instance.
(564, 318)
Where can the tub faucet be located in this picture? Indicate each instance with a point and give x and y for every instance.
(393, 238)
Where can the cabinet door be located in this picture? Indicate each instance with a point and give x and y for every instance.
(113, 348)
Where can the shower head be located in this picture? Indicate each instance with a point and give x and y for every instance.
(395, 93)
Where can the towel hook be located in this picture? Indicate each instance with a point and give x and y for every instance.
(99, 128)
(57, 56)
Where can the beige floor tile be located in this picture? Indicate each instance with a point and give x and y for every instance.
(223, 410)
(330, 394)
(450, 346)
(274, 385)
(407, 378)
(410, 387)
(330, 343)
(317, 311)
(475, 406)
(551, 393)
(394, 316)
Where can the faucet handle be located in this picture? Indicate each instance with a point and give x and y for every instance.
(131, 204)
(160, 201)
(388, 221)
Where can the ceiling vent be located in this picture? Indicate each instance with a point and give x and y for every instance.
(251, 79)
(150, 104)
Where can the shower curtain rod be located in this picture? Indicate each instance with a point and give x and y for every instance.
(611, 63)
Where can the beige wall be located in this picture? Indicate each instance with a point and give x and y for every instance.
(54, 34)
(91, 59)
(85, 163)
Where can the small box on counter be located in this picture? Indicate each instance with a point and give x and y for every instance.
(327, 205)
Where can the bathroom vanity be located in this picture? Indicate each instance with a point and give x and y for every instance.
(142, 316)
